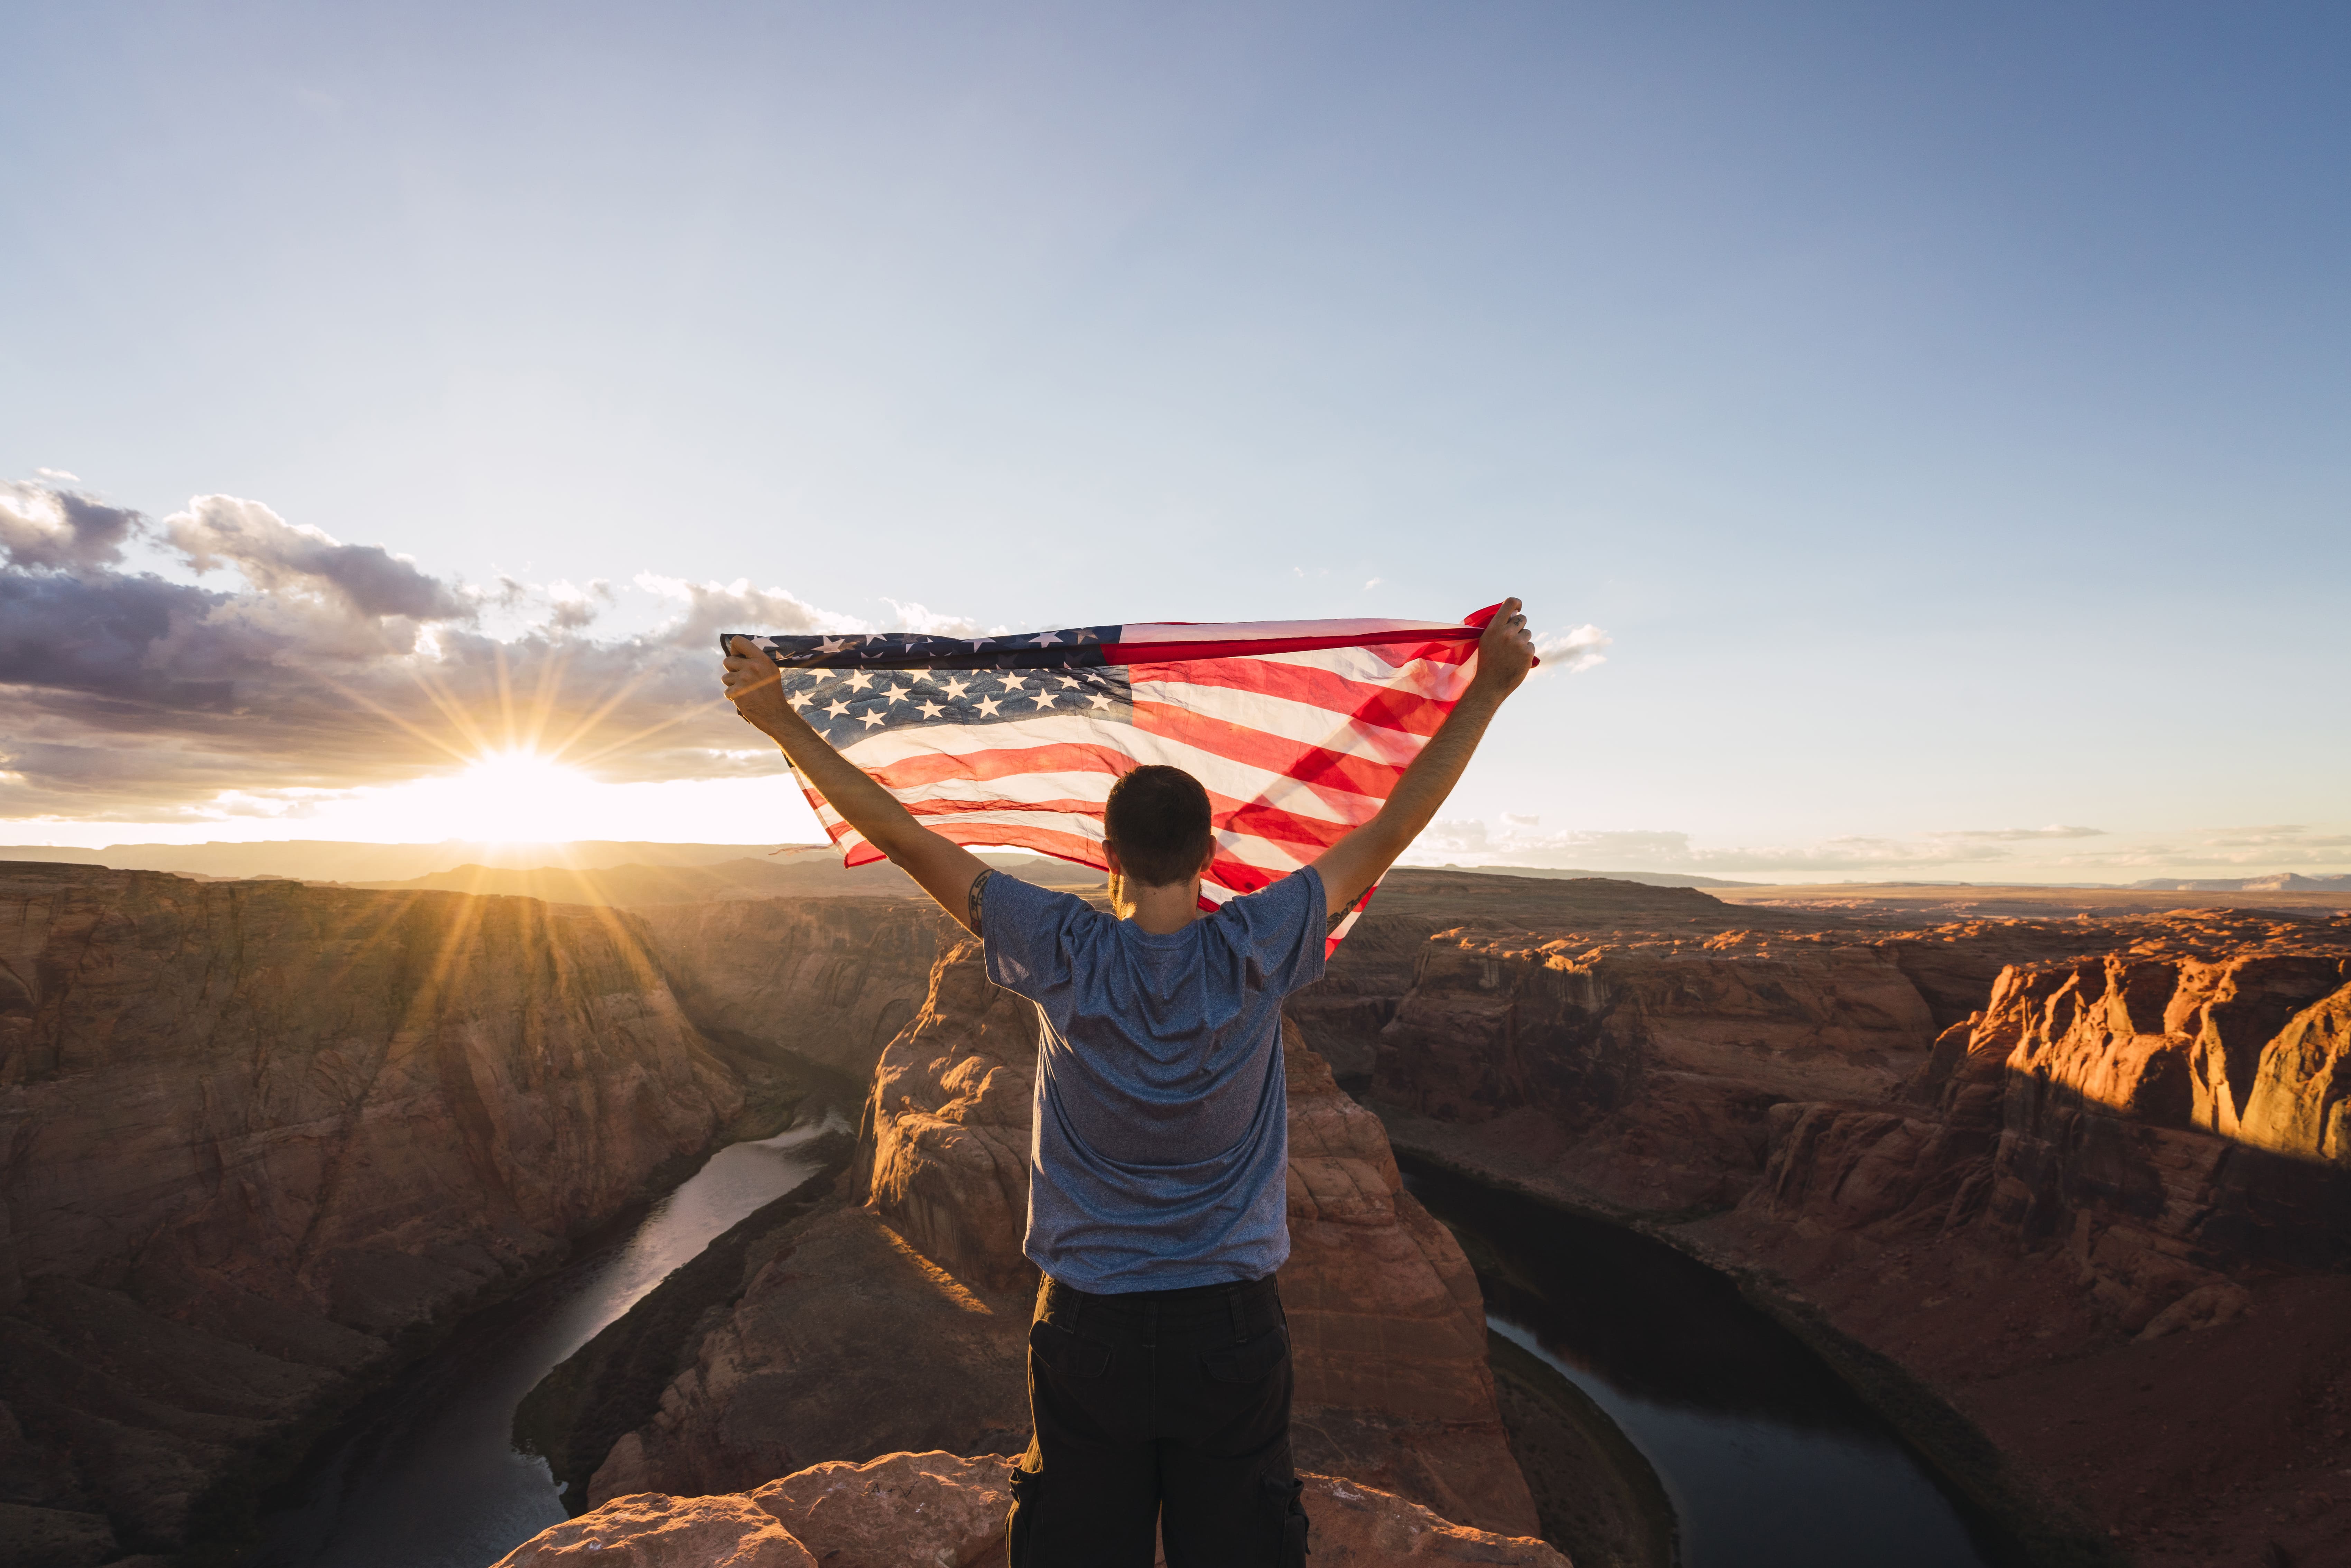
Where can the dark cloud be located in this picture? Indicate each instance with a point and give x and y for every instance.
(123, 694)
(277, 557)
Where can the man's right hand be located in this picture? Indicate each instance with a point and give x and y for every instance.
(756, 687)
(1507, 652)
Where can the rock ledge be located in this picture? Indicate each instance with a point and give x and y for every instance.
(944, 1509)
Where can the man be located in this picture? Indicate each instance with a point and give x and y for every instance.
(1159, 1375)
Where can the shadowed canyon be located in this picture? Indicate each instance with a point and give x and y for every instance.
(2059, 1203)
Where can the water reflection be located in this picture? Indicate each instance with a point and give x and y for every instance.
(427, 1476)
(1770, 1461)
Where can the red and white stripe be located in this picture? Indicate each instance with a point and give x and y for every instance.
(1298, 730)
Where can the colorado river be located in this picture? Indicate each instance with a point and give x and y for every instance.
(1771, 1461)
(426, 1475)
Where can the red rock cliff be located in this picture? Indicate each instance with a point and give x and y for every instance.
(253, 1130)
(2023, 1159)
(830, 980)
(1388, 1325)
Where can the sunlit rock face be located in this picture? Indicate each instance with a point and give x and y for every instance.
(2090, 1184)
(844, 1342)
(941, 1509)
(2169, 1111)
(255, 1130)
(831, 980)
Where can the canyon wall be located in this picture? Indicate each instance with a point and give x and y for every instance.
(831, 980)
(251, 1133)
(1343, 1014)
(2058, 1171)
(2173, 1111)
(1643, 1065)
(902, 1322)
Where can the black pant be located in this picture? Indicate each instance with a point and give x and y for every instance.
(1166, 1407)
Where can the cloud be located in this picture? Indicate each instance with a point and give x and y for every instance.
(1569, 651)
(281, 559)
(46, 530)
(296, 665)
(2022, 835)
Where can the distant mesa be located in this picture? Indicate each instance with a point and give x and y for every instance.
(2276, 882)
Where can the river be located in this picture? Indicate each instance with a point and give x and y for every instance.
(1770, 1459)
(425, 1475)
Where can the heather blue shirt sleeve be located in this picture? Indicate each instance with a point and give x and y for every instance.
(1029, 933)
(1281, 930)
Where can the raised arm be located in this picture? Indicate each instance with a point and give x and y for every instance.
(943, 868)
(1505, 654)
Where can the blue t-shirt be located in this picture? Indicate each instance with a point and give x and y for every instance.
(1160, 1137)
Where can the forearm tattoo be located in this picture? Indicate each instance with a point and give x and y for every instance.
(973, 899)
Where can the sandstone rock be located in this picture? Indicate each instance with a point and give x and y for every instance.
(650, 1530)
(847, 1345)
(1384, 1311)
(1387, 1325)
(831, 980)
(1343, 1014)
(1656, 1055)
(257, 1128)
(2090, 1219)
(934, 1511)
(1358, 1526)
(947, 1125)
(938, 1511)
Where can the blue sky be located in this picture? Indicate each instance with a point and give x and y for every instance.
(1943, 413)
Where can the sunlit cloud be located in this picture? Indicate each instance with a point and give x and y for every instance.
(225, 664)
(1579, 648)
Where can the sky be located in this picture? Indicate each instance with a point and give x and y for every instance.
(1939, 413)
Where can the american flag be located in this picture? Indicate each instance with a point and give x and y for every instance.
(1298, 729)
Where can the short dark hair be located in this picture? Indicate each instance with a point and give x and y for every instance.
(1157, 820)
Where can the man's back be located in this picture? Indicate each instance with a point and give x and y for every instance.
(1161, 1125)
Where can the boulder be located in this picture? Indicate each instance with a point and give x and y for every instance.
(650, 1530)
(939, 1510)
(929, 1510)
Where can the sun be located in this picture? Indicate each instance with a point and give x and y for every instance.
(510, 797)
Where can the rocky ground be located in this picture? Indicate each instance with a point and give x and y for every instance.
(939, 1509)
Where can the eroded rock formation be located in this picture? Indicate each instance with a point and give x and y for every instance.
(1991, 1150)
(831, 980)
(1385, 1313)
(1644, 1064)
(1387, 1328)
(939, 1509)
(254, 1132)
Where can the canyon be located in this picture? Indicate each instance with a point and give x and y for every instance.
(259, 1142)
(2074, 1194)
(2065, 1197)
(900, 1322)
